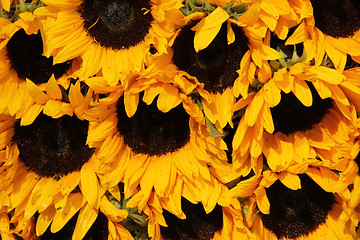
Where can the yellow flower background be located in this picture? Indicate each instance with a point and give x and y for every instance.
(171, 119)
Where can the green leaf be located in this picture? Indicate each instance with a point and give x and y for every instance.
(239, 8)
(213, 131)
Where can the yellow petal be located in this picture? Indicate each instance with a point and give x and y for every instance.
(110, 68)
(325, 178)
(89, 185)
(6, 5)
(52, 89)
(49, 188)
(69, 182)
(31, 114)
(303, 93)
(252, 112)
(208, 28)
(346, 45)
(251, 15)
(262, 200)
(114, 214)
(326, 74)
(136, 169)
(239, 134)
(345, 109)
(352, 92)
(268, 53)
(166, 173)
(224, 103)
(115, 192)
(99, 84)
(338, 94)
(23, 186)
(86, 218)
(256, 147)
(57, 109)
(76, 48)
(267, 120)
(322, 88)
(230, 34)
(299, 35)
(272, 93)
(244, 188)
(44, 220)
(151, 93)
(310, 47)
(185, 166)
(63, 3)
(91, 60)
(102, 130)
(243, 102)
(284, 80)
(75, 96)
(63, 215)
(168, 99)
(36, 93)
(301, 145)
(337, 57)
(290, 180)
(131, 102)
(269, 19)
(122, 232)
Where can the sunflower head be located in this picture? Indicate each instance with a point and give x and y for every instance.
(216, 66)
(51, 147)
(151, 131)
(197, 226)
(290, 115)
(116, 24)
(337, 18)
(296, 213)
(25, 53)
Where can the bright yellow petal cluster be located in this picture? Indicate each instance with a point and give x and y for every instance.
(235, 67)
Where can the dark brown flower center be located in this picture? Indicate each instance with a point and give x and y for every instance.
(197, 226)
(337, 18)
(117, 24)
(216, 65)
(290, 115)
(25, 55)
(52, 147)
(297, 213)
(151, 131)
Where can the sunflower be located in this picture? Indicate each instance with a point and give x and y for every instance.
(153, 155)
(301, 111)
(100, 32)
(48, 168)
(197, 225)
(331, 28)
(211, 50)
(187, 213)
(23, 68)
(304, 202)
